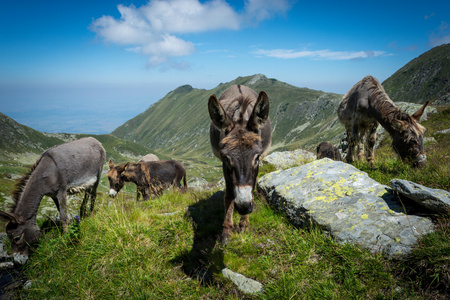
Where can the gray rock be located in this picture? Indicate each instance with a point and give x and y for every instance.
(446, 131)
(244, 284)
(433, 199)
(345, 202)
(287, 159)
(197, 183)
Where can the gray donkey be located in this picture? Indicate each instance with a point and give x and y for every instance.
(70, 167)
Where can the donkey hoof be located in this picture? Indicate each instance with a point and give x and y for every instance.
(225, 238)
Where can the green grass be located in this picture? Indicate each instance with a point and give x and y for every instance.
(168, 248)
(436, 174)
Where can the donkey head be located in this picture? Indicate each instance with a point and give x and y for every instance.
(22, 234)
(240, 149)
(408, 139)
(116, 178)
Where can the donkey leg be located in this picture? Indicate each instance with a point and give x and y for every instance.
(360, 142)
(371, 145)
(83, 205)
(228, 220)
(351, 146)
(244, 223)
(63, 210)
(93, 194)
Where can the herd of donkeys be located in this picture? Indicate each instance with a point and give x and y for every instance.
(240, 135)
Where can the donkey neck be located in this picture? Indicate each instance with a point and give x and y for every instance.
(28, 202)
(384, 112)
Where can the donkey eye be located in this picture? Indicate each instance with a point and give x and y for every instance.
(17, 238)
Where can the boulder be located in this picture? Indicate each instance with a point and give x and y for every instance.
(435, 200)
(149, 157)
(347, 204)
(287, 159)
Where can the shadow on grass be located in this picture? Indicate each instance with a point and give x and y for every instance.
(206, 256)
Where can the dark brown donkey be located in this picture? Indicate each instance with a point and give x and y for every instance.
(364, 106)
(149, 177)
(69, 167)
(240, 136)
(326, 149)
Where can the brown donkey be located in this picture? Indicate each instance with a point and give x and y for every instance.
(69, 167)
(240, 135)
(150, 177)
(365, 106)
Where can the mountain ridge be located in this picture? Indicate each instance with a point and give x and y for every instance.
(183, 119)
(426, 77)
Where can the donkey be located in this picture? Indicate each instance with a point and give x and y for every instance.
(149, 177)
(69, 167)
(240, 135)
(365, 106)
(325, 149)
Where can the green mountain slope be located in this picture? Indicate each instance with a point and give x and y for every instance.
(17, 140)
(24, 144)
(426, 77)
(179, 123)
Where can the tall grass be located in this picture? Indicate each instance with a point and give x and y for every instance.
(169, 248)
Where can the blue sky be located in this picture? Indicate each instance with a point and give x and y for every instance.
(89, 66)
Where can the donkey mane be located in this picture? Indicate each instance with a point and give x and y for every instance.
(239, 108)
(246, 139)
(390, 112)
(20, 185)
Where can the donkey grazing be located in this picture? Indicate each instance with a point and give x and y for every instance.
(364, 106)
(240, 135)
(149, 177)
(69, 167)
(325, 149)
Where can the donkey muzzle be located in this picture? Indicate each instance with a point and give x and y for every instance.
(20, 258)
(112, 193)
(420, 161)
(243, 202)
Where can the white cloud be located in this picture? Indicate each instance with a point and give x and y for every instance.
(318, 54)
(440, 36)
(153, 29)
(259, 10)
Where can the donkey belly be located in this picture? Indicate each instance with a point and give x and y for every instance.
(82, 184)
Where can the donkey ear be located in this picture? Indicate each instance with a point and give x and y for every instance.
(122, 168)
(260, 112)
(217, 114)
(9, 217)
(416, 116)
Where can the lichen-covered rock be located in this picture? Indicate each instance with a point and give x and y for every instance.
(433, 199)
(287, 159)
(346, 203)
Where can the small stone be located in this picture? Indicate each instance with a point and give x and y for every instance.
(244, 284)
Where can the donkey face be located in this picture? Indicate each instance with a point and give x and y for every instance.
(115, 177)
(407, 141)
(22, 236)
(241, 153)
(240, 149)
(409, 147)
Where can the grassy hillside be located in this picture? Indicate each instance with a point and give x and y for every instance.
(19, 142)
(168, 248)
(179, 122)
(424, 78)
